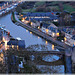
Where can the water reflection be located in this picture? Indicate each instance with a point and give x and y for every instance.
(24, 34)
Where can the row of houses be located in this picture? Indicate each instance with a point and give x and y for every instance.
(38, 20)
(70, 36)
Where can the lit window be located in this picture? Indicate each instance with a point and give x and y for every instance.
(46, 30)
(57, 34)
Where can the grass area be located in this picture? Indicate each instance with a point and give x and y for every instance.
(29, 10)
(54, 2)
(13, 17)
(68, 8)
(26, 10)
(55, 7)
(39, 3)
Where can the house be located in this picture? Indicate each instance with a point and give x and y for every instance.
(34, 23)
(44, 27)
(48, 16)
(70, 36)
(17, 44)
(53, 30)
(50, 29)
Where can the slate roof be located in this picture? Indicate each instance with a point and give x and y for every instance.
(13, 42)
(73, 37)
(20, 43)
(45, 25)
(48, 14)
(53, 29)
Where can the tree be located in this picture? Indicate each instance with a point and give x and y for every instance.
(19, 9)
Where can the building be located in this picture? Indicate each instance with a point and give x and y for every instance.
(70, 36)
(17, 44)
(48, 16)
(44, 27)
(53, 30)
(34, 23)
(50, 29)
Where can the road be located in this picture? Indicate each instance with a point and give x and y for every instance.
(42, 34)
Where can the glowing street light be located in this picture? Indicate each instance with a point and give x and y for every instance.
(23, 19)
(46, 42)
(57, 34)
(46, 30)
(52, 47)
(65, 39)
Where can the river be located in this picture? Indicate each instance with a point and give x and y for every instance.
(29, 37)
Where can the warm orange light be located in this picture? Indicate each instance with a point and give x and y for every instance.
(21, 15)
(57, 34)
(3, 39)
(74, 43)
(17, 47)
(52, 47)
(0, 8)
(26, 30)
(6, 45)
(30, 32)
(1, 54)
(26, 21)
(47, 30)
(65, 39)
(46, 42)
(23, 19)
(31, 23)
(12, 46)
(38, 27)
(53, 34)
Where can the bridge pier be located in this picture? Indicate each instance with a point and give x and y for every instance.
(68, 61)
(73, 59)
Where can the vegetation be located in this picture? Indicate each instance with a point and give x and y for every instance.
(13, 17)
(19, 9)
(68, 8)
(39, 3)
(56, 23)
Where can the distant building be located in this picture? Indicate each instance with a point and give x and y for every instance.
(48, 16)
(70, 36)
(50, 29)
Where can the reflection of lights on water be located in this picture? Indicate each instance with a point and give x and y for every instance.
(46, 42)
(26, 30)
(38, 37)
(52, 47)
(6, 45)
(30, 32)
(5, 40)
(1, 54)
